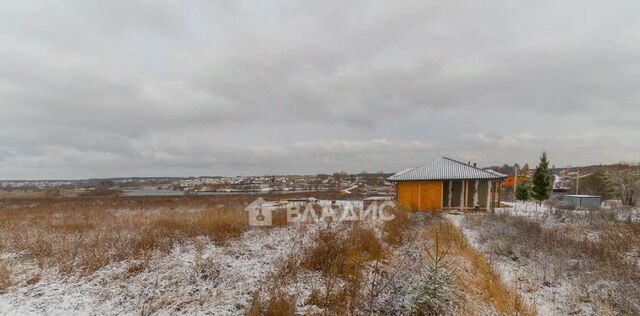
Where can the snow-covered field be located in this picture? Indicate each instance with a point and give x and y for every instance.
(196, 278)
(543, 212)
(547, 300)
(563, 261)
(197, 256)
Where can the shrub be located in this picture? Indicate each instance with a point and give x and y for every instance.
(523, 192)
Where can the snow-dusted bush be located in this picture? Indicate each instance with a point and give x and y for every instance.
(431, 294)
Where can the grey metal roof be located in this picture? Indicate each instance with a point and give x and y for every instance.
(501, 175)
(445, 169)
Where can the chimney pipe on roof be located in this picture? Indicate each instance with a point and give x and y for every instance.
(474, 164)
(468, 162)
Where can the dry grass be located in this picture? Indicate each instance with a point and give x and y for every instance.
(475, 276)
(255, 307)
(5, 277)
(328, 254)
(566, 252)
(342, 256)
(279, 304)
(84, 235)
(33, 280)
(279, 218)
(394, 230)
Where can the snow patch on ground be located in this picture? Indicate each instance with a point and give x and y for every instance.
(542, 212)
(548, 300)
(216, 279)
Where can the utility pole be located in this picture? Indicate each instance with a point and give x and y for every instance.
(515, 181)
(578, 182)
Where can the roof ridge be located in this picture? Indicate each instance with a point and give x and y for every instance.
(420, 166)
(408, 170)
(466, 164)
(401, 172)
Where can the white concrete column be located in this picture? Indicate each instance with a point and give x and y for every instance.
(450, 193)
(475, 194)
(489, 195)
(464, 182)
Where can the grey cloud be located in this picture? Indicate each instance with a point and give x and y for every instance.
(90, 88)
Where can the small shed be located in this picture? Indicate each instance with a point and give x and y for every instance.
(584, 201)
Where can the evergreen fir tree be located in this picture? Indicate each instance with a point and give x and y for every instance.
(542, 180)
(523, 192)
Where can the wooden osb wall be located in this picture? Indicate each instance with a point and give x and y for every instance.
(420, 195)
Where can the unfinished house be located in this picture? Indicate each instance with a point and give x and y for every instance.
(444, 184)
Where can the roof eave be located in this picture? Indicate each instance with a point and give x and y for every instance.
(451, 179)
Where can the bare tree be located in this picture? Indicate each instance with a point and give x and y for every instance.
(624, 181)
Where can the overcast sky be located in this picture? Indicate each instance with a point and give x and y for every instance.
(180, 88)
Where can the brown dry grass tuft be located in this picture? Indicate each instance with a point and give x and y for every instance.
(279, 218)
(5, 277)
(394, 229)
(255, 307)
(328, 254)
(481, 277)
(279, 304)
(342, 255)
(34, 280)
(364, 241)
